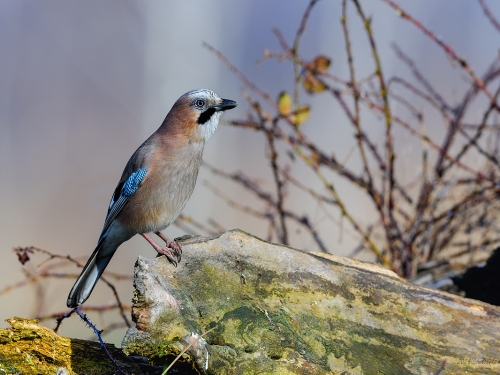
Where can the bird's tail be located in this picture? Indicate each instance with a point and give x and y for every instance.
(91, 273)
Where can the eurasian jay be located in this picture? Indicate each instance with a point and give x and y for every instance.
(155, 185)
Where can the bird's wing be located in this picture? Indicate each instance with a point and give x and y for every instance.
(122, 194)
(132, 177)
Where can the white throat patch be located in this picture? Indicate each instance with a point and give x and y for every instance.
(209, 127)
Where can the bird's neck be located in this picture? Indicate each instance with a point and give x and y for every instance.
(179, 151)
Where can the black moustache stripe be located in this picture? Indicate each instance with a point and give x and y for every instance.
(205, 116)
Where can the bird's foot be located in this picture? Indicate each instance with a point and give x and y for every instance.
(169, 254)
(174, 249)
(173, 245)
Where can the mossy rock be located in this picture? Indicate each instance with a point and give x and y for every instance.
(277, 310)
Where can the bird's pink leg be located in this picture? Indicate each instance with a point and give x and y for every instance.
(167, 251)
(175, 246)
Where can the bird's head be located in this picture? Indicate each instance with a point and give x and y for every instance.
(197, 113)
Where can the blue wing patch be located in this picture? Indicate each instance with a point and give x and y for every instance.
(133, 182)
(129, 188)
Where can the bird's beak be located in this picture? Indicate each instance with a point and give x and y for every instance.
(225, 105)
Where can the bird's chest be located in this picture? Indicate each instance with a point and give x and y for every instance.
(173, 190)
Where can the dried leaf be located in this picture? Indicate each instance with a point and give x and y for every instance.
(315, 160)
(320, 64)
(22, 254)
(311, 84)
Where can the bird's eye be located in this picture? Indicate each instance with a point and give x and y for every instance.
(200, 103)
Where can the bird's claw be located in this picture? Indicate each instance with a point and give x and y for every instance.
(173, 249)
(176, 247)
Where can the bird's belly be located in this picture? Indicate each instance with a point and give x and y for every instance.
(156, 205)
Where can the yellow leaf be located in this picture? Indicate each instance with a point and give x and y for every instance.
(284, 103)
(301, 115)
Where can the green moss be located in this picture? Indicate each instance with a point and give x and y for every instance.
(7, 368)
(247, 331)
(373, 349)
(263, 333)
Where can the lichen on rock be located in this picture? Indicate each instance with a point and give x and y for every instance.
(275, 310)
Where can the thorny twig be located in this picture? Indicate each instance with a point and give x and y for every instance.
(99, 338)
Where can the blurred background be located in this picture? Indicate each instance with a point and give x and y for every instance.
(83, 84)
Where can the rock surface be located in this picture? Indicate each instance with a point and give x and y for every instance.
(275, 310)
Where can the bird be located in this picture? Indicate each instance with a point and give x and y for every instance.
(155, 185)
